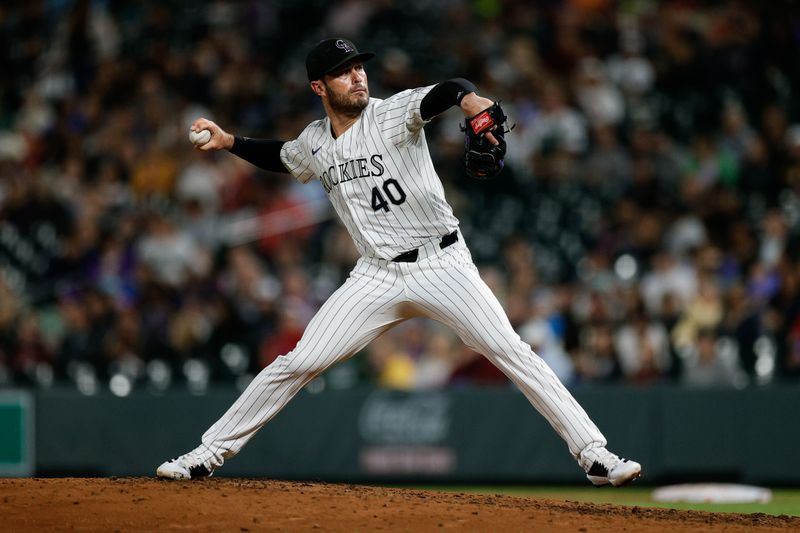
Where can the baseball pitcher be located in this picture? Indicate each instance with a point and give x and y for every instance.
(372, 158)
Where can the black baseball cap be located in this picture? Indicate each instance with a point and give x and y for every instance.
(330, 54)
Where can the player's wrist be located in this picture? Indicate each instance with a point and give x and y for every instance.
(472, 104)
(228, 140)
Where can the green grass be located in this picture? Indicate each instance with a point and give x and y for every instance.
(784, 501)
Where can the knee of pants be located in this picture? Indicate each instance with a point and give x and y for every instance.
(506, 347)
(298, 365)
(496, 347)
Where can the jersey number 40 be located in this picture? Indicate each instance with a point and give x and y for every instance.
(392, 191)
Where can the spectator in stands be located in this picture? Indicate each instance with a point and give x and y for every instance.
(597, 360)
(169, 254)
(435, 362)
(712, 362)
(558, 126)
(642, 346)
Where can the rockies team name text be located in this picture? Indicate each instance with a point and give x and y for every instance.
(352, 169)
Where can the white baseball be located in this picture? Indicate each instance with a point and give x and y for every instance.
(199, 138)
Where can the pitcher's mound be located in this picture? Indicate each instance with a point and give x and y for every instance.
(219, 504)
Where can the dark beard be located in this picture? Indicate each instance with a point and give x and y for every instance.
(346, 106)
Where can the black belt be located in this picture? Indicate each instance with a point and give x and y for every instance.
(411, 256)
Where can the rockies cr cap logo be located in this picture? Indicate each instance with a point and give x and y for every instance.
(332, 53)
(344, 46)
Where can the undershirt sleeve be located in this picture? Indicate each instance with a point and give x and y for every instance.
(263, 153)
(444, 96)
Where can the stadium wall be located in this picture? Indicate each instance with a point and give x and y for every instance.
(462, 435)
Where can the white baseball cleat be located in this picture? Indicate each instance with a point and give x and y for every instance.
(603, 467)
(187, 466)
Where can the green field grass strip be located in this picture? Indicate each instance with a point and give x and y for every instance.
(784, 501)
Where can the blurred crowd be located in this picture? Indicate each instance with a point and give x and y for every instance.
(645, 229)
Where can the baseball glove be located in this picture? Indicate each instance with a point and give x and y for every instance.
(482, 159)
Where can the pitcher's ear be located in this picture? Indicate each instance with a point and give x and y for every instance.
(318, 87)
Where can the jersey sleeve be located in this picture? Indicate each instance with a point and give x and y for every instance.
(399, 115)
(297, 160)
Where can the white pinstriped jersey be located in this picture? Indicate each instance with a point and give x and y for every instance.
(378, 175)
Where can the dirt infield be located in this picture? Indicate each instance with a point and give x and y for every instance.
(141, 504)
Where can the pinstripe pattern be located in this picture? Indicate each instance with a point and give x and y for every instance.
(446, 287)
(451, 291)
(388, 143)
(365, 306)
(390, 130)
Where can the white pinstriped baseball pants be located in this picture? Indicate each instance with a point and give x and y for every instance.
(379, 294)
